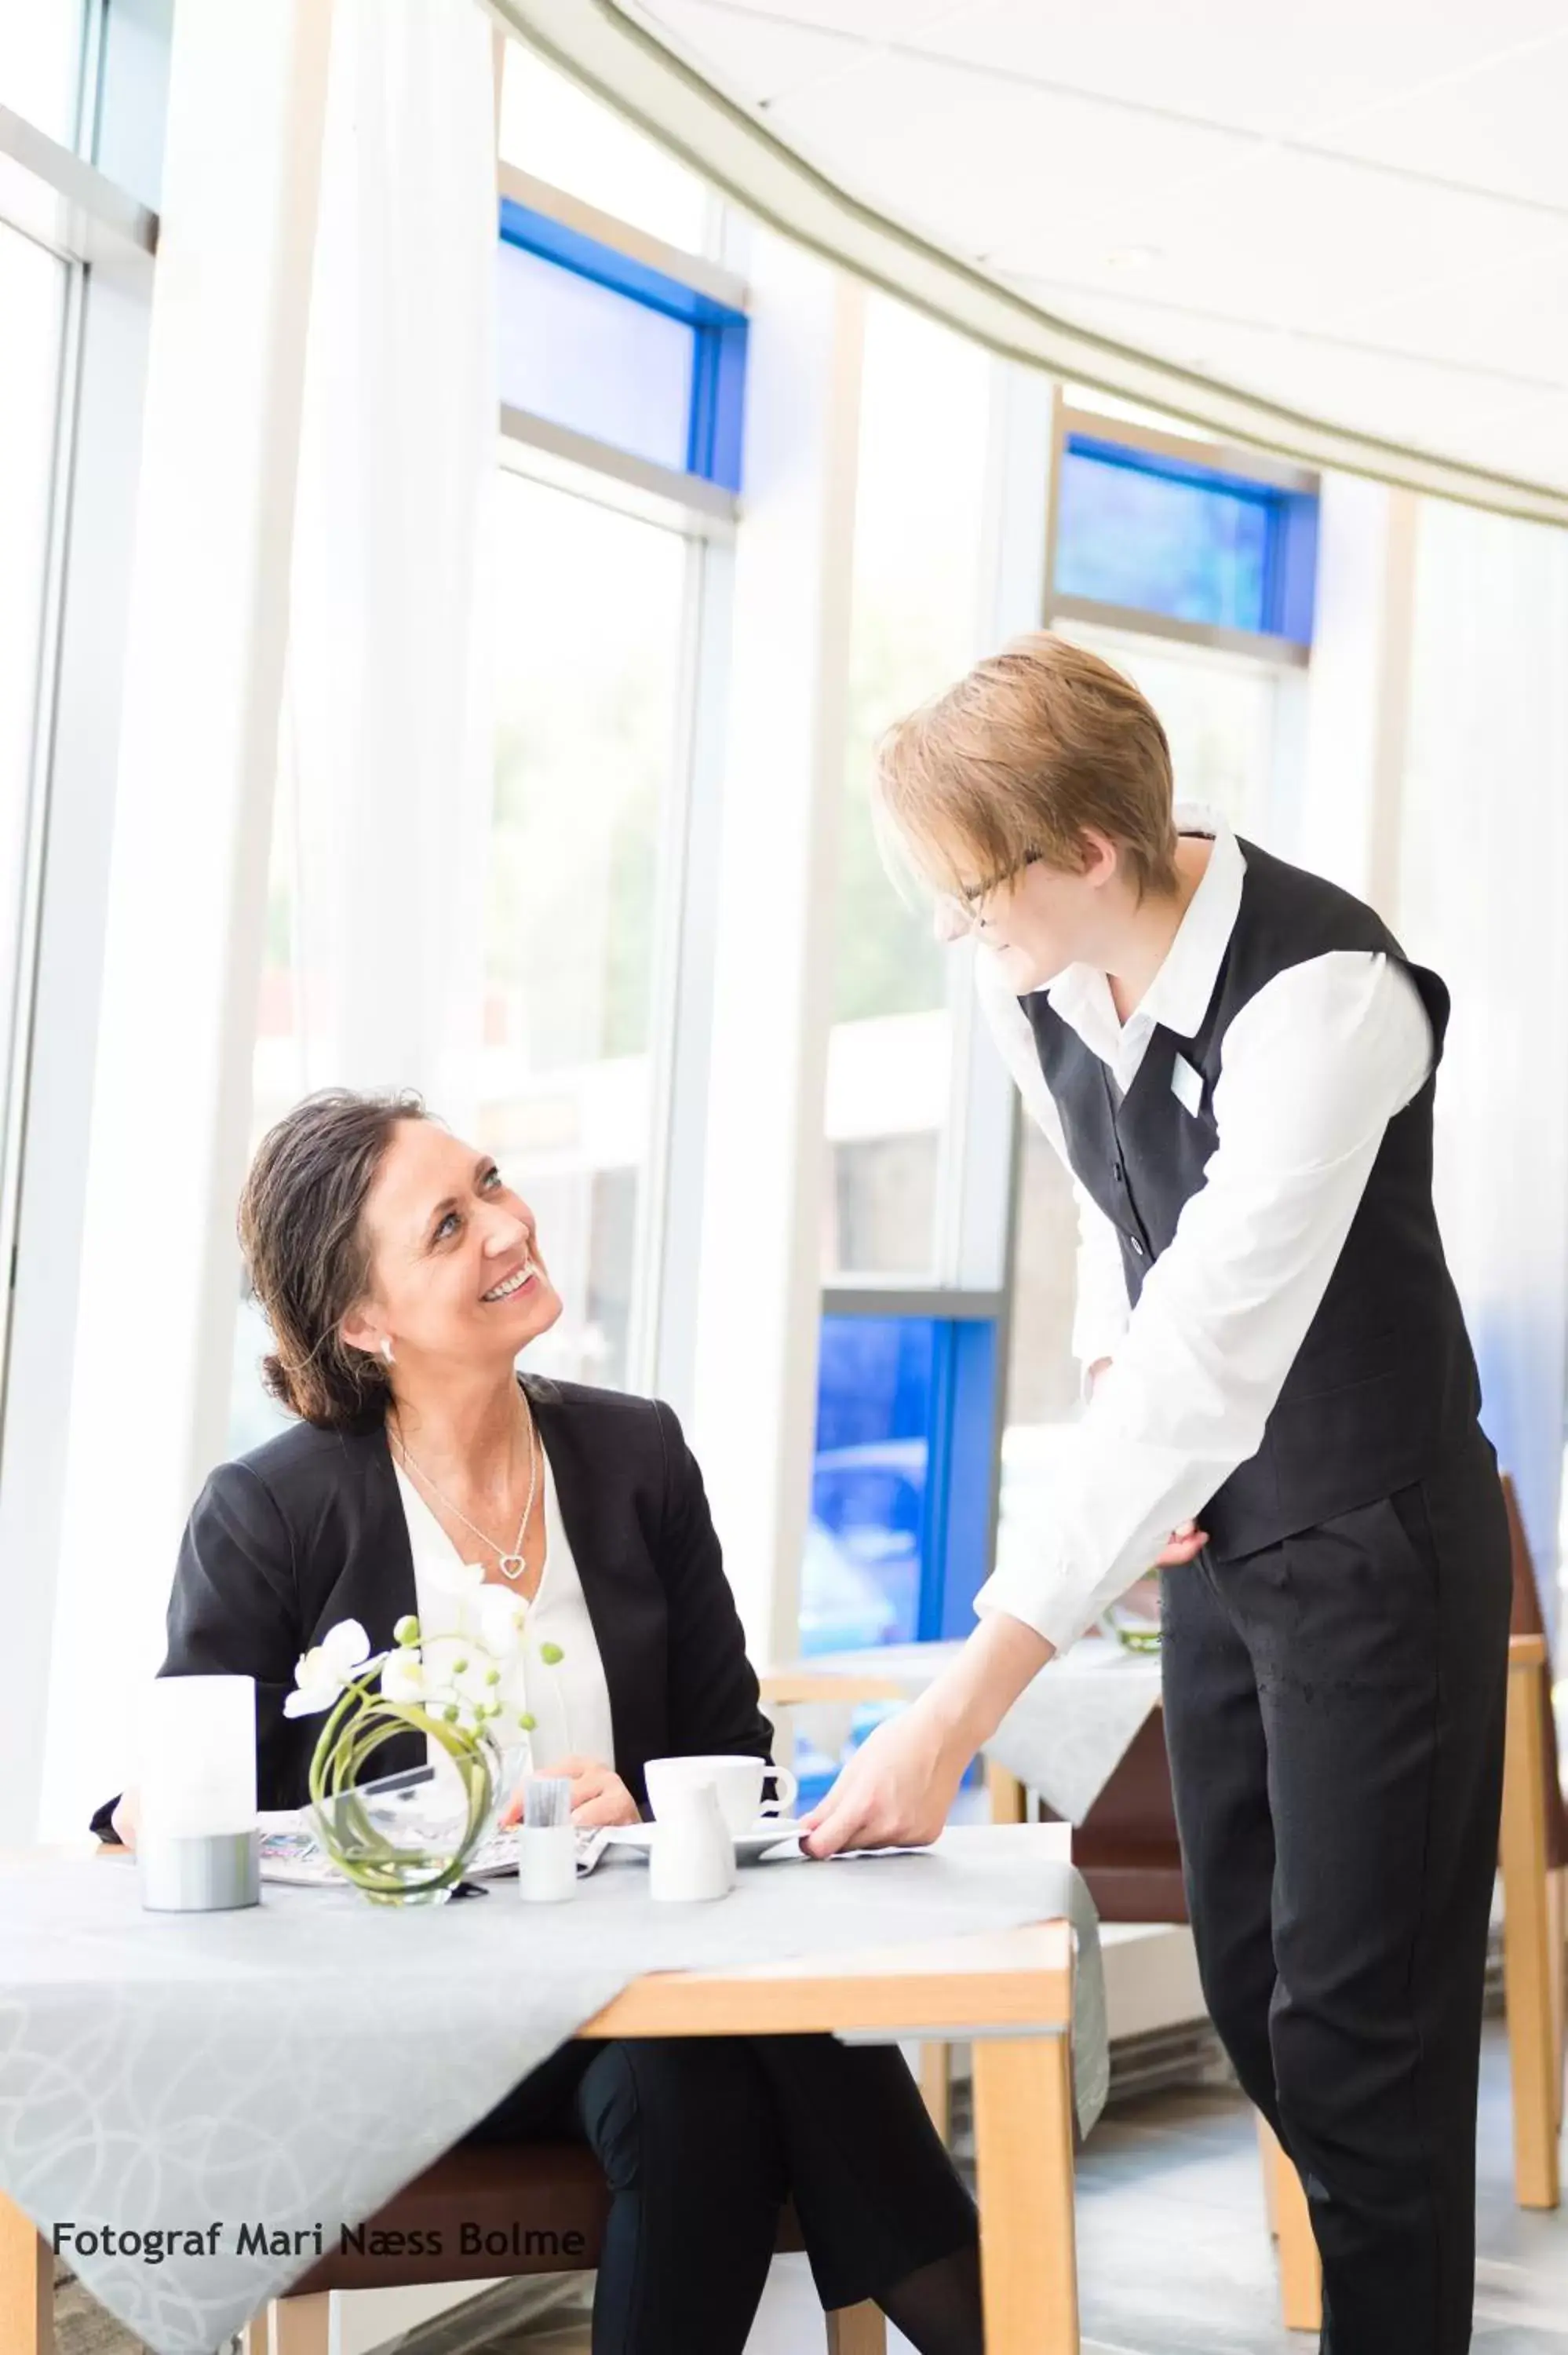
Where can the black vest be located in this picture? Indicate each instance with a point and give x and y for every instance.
(1384, 1382)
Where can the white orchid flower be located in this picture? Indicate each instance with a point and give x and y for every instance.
(444, 1659)
(403, 1677)
(320, 1673)
(448, 1589)
(500, 1618)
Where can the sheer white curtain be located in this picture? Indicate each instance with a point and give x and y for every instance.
(388, 745)
(1483, 889)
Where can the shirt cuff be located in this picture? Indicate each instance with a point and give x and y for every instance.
(1043, 1601)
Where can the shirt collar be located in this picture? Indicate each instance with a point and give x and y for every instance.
(1179, 995)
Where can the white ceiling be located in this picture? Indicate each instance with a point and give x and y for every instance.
(1358, 210)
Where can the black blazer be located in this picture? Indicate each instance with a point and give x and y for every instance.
(309, 1529)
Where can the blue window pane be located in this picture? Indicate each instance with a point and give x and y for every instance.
(1138, 535)
(583, 356)
(877, 1391)
(902, 1494)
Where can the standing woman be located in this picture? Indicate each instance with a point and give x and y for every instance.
(1236, 1061)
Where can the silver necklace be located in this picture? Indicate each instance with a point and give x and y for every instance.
(512, 1564)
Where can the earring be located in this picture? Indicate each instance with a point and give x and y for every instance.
(387, 1351)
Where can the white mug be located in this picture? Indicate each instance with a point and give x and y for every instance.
(690, 1856)
(737, 1781)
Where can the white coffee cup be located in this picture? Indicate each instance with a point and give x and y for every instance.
(737, 1781)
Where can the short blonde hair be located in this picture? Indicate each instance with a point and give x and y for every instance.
(1036, 744)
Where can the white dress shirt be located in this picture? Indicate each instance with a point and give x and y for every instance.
(569, 1700)
(1314, 1067)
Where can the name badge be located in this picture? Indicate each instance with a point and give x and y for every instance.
(1186, 1085)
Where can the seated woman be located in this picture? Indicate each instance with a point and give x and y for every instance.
(401, 1277)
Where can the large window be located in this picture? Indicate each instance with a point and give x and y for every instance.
(33, 287)
(900, 1487)
(1212, 577)
(1153, 529)
(278, 1078)
(591, 619)
(622, 358)
(556, 131)
(41, 64)
(917, 624)
(616, 348)
(1217, 710)
(902, 1479)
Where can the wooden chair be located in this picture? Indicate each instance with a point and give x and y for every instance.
(540, 2206)
(1535, 1887)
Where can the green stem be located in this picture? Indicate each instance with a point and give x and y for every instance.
(360, 1723)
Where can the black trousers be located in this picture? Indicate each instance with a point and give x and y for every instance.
(1334, 1711)
(703, 2137)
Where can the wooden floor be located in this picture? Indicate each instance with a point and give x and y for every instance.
(1173, 2257)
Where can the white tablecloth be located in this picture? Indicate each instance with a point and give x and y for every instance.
(291, 2067)
(1065, 1734)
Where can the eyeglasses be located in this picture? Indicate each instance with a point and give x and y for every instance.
(966, 906)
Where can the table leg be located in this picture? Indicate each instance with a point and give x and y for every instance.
(255, 2339)
(301, 2326)
(1024, 2163)
(937, 2086)
(857, 2331)
(1527, 1964)
(1268, 2152)
(26, 2285)
(1291, 2223)
(1008, 1799)
(1300, 2267)
(1557, 1958)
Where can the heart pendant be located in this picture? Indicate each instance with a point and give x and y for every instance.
(512, 1565)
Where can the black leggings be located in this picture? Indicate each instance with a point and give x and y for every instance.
(702, 2139)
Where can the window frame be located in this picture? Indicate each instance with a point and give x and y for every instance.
(971, 1290)
(543, 221)
(106, 239)
(703, 507)
(1290, 492)
(106, 236)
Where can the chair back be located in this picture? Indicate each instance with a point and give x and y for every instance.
(1528, 1617)
(1127, 1846)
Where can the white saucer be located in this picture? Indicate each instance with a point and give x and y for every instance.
(768, 1832)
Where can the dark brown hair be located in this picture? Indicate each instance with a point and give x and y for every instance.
(302, 1229)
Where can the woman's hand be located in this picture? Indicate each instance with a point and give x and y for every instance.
(123, 1822)
(599, 1795)
(895, 1792)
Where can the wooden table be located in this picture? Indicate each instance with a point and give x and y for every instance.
(1008, 1992)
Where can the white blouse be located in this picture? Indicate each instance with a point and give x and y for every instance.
(570, 1700)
